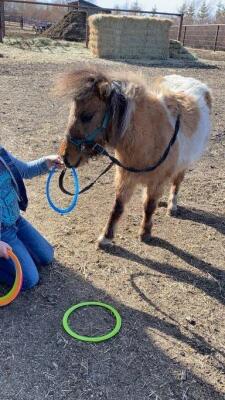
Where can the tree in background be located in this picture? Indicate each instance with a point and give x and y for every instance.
(203, 13)
(183, 8)
(189, 11)
(135, 7)
(126, 5)
(36, 12)
(190, 14)
(220, 13)
(154, 10)
(116, 7)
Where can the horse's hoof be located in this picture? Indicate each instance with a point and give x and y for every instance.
(171, 212)
(145, 237)
(103, 242)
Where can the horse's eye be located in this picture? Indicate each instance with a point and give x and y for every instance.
(86, 117)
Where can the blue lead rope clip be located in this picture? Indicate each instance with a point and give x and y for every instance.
(67, 210)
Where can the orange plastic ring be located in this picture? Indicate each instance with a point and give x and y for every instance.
(14, 291)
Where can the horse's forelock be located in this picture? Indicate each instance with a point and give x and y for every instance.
(79, 84)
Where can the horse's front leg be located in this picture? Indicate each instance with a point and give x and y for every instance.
(124, 190)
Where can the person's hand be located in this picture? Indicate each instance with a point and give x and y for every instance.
(4, 247)
(55, 161)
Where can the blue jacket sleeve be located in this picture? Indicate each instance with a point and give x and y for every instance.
(29, 170)
(0, 221)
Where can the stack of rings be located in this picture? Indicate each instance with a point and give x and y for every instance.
(73, 203)
(14, 291)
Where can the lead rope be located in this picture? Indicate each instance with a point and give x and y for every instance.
(86, 188)
(102, 151)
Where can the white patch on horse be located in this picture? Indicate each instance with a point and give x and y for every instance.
(191, 149)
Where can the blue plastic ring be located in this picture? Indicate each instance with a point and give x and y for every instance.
(73, 203)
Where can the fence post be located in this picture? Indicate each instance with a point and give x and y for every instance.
(185, 29)
(87, 30)
(21, 22)
(2, 21)
(1, 27)
(216, 38)
(180, 27)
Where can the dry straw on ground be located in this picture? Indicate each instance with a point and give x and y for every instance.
(114, 36)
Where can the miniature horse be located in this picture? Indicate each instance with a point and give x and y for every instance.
(137, 121)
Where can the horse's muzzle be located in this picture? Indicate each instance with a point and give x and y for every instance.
(68, 164)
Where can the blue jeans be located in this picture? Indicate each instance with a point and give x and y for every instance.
(31, 249)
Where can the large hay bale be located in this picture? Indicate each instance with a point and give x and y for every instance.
(116, 36)
(71, 27)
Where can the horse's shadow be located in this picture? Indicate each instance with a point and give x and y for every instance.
(197, 342)
(200, 216)
(212, 287)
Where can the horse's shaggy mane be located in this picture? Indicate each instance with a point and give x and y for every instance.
(120, 92)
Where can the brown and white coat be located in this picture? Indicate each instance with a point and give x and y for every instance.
(143, 118)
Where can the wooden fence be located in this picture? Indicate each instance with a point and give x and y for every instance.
(211, 36)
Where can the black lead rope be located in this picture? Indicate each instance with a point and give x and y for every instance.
(86, 188)
(102, 151)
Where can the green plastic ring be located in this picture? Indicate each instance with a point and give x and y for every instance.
(92, 339)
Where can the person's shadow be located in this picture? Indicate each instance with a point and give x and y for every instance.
(39, 360)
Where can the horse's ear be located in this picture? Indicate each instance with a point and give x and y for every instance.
(104, 90)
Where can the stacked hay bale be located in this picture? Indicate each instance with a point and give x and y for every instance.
(127, 37)
(71, 27)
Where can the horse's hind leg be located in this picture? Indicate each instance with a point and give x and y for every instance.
(172, 200)
(124, 190)
(150, 205)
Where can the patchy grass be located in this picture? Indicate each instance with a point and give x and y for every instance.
(37, 43)
(41, 49)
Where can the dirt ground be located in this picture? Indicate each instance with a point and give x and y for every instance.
(170, 293)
